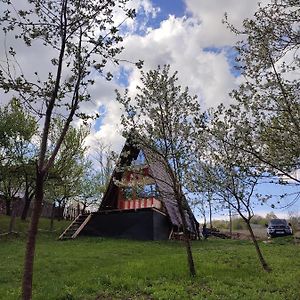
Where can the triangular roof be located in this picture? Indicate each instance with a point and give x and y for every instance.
(158, 172)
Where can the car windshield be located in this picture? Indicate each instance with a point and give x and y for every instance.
(278, 222)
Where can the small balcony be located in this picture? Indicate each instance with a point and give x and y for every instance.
(139, 203)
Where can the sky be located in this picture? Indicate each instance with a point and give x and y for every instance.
(190, 36)
(187, 34)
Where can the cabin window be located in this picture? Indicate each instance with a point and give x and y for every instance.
(140, 160)
(147, 191)
(128, 193)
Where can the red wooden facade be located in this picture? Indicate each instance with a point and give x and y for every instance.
(133, 179)
(139, 203)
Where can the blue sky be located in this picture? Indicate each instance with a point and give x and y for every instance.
(171, 7)
(190, 36)
(181, 33)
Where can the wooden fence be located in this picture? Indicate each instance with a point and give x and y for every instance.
(17, 205)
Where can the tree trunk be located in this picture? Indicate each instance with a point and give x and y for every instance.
(52, 217)
(198, 232)
(12, 218)
(78, 209)
(230, 222)
(8, 206)
(26, 205)
(59, 209)
(210, 213)
(258, 251)
(31, 239)
(11, 224)
(83, 208)
(25, 209)
(63, 207)
(187, 241)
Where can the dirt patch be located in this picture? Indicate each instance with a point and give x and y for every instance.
(260, 234)
(137, 296)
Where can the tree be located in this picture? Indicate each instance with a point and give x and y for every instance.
(68, 168)
(294, 219)
(267, 108)
(203, 191)
(161, 119)
(90, 189)
(104, 163)
(17, 129)
(29, 178)
(233, 174)
(270, 216)
(82, 37)
(95, 177)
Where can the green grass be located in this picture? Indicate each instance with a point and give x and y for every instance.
(96, 268)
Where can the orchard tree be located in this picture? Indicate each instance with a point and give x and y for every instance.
(17, 129)
(234, 175)
(203, 191)
(80, 36)
(267, 108)
(69, 166)
(89, 189)
(96, 176)
(28, 177)
(104, 161)
(161, 119)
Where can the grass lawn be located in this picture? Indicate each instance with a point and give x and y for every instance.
(96, 268)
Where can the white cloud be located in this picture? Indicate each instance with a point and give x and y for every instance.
(211, 13)
(177, 42)
(180, 42)
(110, 131)
(146, 5)
(142, 7)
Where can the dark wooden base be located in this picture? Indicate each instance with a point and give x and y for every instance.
(140, 224)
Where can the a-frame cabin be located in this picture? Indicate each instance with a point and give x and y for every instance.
(139, 203)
